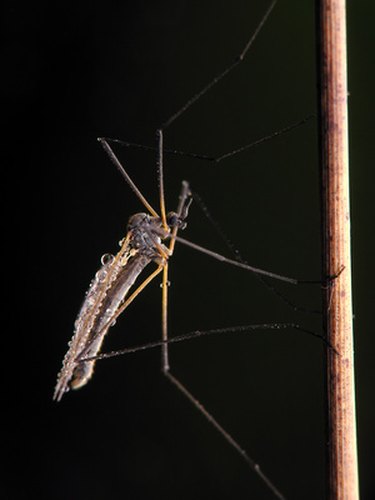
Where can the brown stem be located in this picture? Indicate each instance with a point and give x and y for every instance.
(342, 448)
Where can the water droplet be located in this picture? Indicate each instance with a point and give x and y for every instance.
(168, 283)
(107, 258)
(101, 275)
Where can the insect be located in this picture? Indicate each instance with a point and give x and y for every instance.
(106, 298)
(146, 241)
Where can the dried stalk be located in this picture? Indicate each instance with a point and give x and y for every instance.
(342, 446)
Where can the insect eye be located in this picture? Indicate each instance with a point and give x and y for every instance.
(173, 219)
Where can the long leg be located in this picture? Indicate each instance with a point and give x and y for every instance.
(107, 148)
(164, 322)
(225, 72)
(195, 402)
(160, 168)
(180, 208)
(176, 382)
(165, 352)
(237, 256)
(204, 333)
(205, 157)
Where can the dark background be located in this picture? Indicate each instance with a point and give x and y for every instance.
(77, 71)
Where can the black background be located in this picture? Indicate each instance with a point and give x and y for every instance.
(77, 71)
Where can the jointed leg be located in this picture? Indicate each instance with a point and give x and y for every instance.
(225, 72)
(197, 404)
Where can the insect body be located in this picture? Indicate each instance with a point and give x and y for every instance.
(105, 299)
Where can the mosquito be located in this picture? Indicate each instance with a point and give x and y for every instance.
(151, 237)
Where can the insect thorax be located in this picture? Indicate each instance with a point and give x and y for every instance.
(147, 233)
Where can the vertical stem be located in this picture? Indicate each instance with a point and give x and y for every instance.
(342, 450)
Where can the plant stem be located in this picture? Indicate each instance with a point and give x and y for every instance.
(342, 444)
